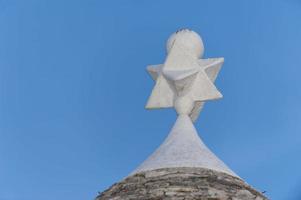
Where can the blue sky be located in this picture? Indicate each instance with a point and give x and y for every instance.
(73, 87)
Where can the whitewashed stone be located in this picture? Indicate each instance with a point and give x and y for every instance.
(183, 148)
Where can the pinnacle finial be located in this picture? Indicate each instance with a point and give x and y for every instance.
(184, 81)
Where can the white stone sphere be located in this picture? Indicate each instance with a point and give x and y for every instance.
(187, 39)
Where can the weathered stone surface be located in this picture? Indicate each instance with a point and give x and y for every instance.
(181, 184)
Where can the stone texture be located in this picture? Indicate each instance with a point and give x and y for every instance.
(181, 184)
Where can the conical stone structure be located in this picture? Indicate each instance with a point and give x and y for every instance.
(183, 167)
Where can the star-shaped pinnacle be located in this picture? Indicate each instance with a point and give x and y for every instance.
(184, 81)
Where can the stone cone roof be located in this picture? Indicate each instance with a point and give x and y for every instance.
(181, 184)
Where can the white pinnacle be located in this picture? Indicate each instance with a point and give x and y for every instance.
(184, 82)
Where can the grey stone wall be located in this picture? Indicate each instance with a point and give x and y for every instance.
(181, 184)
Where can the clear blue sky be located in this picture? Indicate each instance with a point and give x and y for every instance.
(73, 87)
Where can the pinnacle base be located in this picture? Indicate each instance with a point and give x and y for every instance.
(183, 148)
